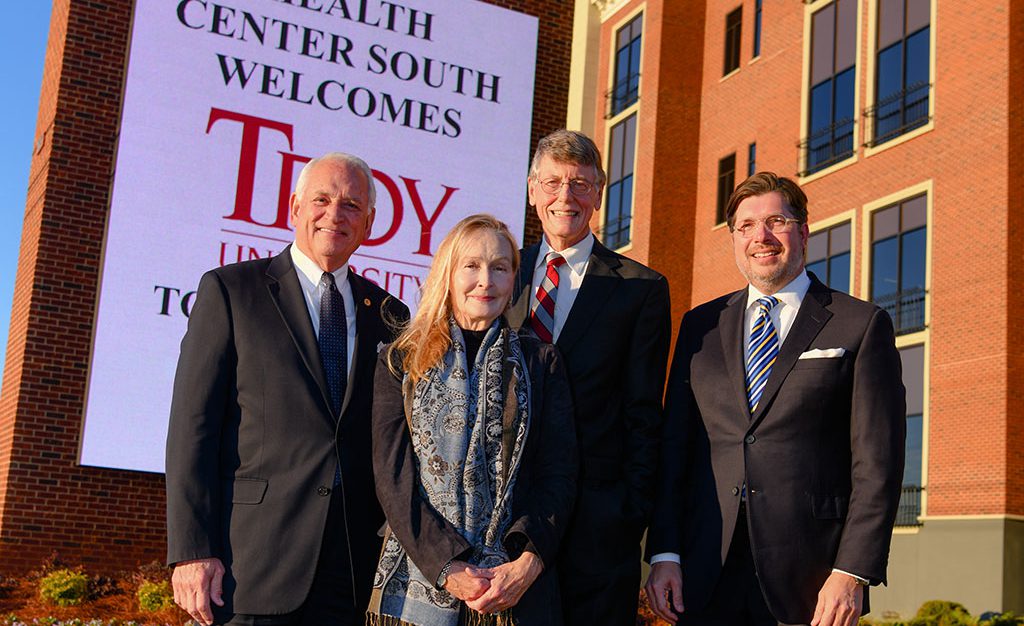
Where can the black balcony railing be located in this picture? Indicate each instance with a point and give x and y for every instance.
(622, 95)
(909, 511)
(615, 233)
(898, 113)
(906, 308)
(827, 146)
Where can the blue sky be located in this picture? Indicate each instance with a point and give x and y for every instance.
(23, 34)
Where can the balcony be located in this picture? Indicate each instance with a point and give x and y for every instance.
(897, 114)
(615, 232)
(622, 95)
(909, 511)
(906, 308)
(827, 146)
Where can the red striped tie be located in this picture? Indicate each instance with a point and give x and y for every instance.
(542, 317)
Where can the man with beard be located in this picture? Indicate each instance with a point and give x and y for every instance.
(784, 431)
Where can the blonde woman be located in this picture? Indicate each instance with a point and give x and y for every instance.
(474, 450)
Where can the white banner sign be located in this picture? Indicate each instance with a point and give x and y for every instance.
(224, 102)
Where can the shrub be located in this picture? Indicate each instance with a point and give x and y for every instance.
(942, 613)
(1001, 619)
(156, 596)
(64, 587)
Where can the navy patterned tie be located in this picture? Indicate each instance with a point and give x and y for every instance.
(762, 351)
(333, 340)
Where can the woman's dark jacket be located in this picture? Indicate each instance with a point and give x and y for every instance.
(544, 490)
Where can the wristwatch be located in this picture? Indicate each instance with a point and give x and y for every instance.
(443, 576)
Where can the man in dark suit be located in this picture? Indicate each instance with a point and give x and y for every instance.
(783, 449)
(610, 318)
(271, 512)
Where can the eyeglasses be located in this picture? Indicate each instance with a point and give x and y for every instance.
(577, 186)
(776, 224)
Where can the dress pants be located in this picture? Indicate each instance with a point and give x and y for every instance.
(330, 601)
(737, 599)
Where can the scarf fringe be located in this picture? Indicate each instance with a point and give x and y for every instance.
(469, 618)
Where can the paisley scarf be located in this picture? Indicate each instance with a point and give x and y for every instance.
(468, 427)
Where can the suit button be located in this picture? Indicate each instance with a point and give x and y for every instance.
(750, 439)
(323, 491)
(735, 491)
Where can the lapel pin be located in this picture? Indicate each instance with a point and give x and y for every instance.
(366, 301)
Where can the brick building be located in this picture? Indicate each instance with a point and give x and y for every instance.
(901, 120)
(109, 519)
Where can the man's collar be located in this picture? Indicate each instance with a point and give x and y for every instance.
(791, 295)
(312, 271)
(576, 257)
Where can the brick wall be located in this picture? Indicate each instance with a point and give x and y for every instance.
(109, 519)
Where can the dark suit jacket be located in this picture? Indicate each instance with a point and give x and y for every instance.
(615, 343)
(252, 446)
(822, 456)
(544, 491)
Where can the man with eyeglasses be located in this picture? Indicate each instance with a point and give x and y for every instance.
(610, 318)
(782, 454)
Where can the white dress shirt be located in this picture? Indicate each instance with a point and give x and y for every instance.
(570, 277)
(783, 314)
(309, 274)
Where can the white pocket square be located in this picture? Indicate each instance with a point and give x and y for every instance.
(823, 353)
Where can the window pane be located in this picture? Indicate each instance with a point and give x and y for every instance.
(822, 44)
(819, 269)
(757, 28)
(890, 22)
(629, 146)
(915, 213)
(918, 14)
(913, 262)
(821, 107)
(839, 238)
(917, 58)
(884, 268)
(913, 377)
(817, 247)
(890, 71)
(614, 159)
(614, 204)
(733, 34)
(886, 223)
(846, 34)
(843, 135)
(839, 272)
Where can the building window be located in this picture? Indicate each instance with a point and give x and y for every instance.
(757, 28)
(833, 57)
(898, 257)
(626, 89)
(733, 35)
(619, 214)
(902, 78)
(828, 256)
(751, 159)
(726, 184)
(913, 379)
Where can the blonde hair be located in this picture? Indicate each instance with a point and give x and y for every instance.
(425, 340)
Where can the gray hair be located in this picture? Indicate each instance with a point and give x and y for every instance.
(568, 146)
(341, 158)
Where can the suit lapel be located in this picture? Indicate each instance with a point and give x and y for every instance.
(285, 291)
(599, 283)
(365, 352)
(732, 330)
(520, 308)
(808, 323)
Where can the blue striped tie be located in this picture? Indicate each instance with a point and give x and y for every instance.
(762, 351)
